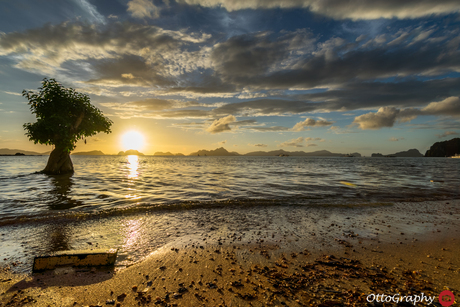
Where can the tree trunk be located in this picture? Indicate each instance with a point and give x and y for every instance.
(59, 162)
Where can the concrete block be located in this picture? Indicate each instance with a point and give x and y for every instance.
(96, 257)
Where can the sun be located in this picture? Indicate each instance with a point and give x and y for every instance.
(132, 140)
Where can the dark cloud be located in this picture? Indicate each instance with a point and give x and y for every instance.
(359, 64)
(127, 70)
(250, 55)
(404, 93)
(264, 61)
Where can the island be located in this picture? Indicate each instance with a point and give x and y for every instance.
(448, 148)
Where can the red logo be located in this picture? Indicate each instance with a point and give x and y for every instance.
(446, 298)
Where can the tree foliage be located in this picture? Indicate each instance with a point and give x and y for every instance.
(64, 116)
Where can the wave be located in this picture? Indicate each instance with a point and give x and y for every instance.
(80, 215)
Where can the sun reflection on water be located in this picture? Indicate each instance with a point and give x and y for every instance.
(133, 165)
(133, 173)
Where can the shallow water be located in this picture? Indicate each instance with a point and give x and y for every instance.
(139, 204)
(114, 183)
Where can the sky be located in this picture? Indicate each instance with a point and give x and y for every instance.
(247, 75)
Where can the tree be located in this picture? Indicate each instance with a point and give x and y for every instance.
(64, 116)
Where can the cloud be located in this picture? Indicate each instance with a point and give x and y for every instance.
(127, 70)
(221, 124)
(143, 9)
(255, 54)
(385, 117)
(221, 143)
(266, 107)
(91, 11)
(12, 93)
(447, 133)
(310, 122)
(393, 139)
(262, 61)
(405, 93)
(298, 142)
(114, 54)
(268, 129)
(260, 145)
(388, 116)
(339, 9)
(449, 106)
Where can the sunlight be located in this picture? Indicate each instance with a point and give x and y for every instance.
(133, 164)
(132, 140)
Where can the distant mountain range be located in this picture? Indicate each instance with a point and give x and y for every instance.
(89, 153)
(159, 153)
(216, 152)
(6, 151)
(223, 152)
(280, 152)
(409, 153)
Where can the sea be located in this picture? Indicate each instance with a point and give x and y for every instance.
(139, 203)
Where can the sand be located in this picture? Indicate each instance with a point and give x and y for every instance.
(300, 257)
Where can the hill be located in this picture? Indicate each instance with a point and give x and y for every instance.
(444, 149)
(216, 152)
(167, 154)
(130, 152)
(409, 153)
(160, 153)
(413, 153)
(6, 151)
(89, 153)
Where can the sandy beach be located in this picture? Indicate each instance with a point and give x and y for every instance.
(272, 256)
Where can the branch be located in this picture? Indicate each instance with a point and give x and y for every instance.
(78, 121)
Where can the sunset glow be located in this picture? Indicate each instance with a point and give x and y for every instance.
(132, 140)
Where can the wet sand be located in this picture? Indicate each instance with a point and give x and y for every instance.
(291, 256)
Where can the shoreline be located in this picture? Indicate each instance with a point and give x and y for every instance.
(322, 244)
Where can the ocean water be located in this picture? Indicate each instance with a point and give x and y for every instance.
(140, 204)
(114, 184)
